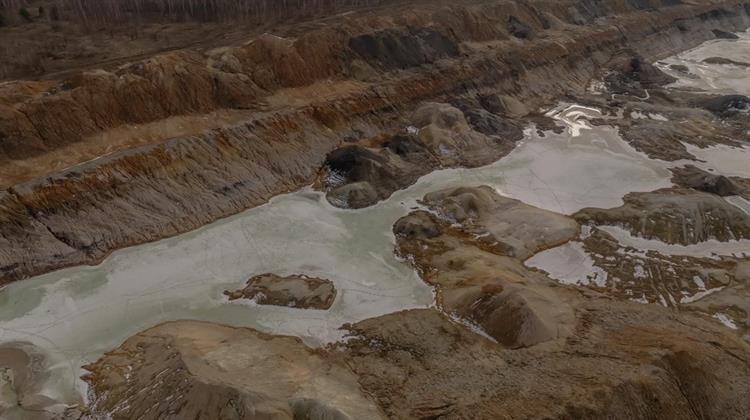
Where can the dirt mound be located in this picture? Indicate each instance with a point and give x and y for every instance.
(481, 211)
(297, 291)
(692, 177)
(206, 371)
(475, 279)
(626, 361)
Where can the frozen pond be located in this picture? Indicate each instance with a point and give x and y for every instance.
(76, 314)
(714, 78)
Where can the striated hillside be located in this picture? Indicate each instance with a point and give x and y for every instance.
(107, 159)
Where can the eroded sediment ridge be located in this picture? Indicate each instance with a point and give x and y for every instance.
(535, 52)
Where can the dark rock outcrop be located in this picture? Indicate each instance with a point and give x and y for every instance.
(698, 179)
(720, 34)
(442, 136)
(727, 61)
(679, 67)
(519, 29)
(403, 48)
(630, 73)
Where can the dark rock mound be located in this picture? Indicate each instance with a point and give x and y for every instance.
(725, 106)
(490, 124)
(718, 33)
(356, 195)
(408, 146)
(679, 67)
(725, 61)
(403, 47)
(519, 29)
(441, 136)
(641, 4)
(676, 216)
(355, 162)
(416, 225)
(297, 291)
(698, 179)
(630, 73)
(360, 177)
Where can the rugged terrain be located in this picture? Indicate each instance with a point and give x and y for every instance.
(292, 291)
(180, 139)
(504, 342)
(361, 105)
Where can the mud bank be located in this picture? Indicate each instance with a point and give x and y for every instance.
(304, 93)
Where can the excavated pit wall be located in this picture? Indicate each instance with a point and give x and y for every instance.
(78, 216)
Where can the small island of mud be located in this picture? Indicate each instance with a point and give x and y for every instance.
(295, 291)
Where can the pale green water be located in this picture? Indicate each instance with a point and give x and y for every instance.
(75, 315)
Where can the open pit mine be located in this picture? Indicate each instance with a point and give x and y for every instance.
(401, 209)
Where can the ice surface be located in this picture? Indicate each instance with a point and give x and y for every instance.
(713, 78)
(569, 264)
